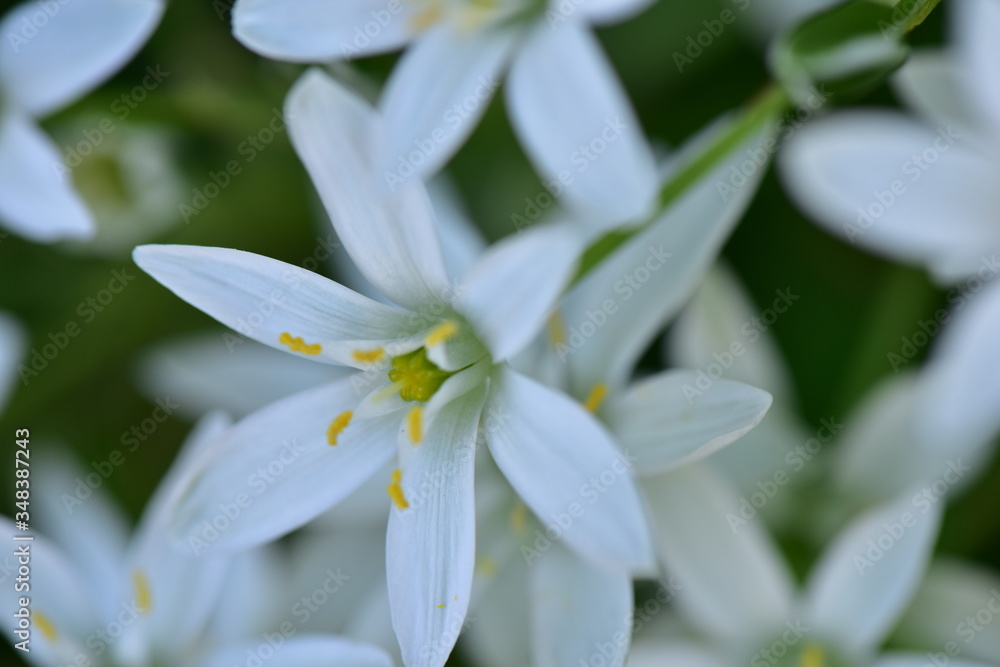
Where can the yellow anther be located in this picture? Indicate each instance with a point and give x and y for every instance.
(596, 397)
(45, 625)
(442, 332)
(812, 656)
(440, 606)
(396, 490)
(143, 595)
(296, 344)
(337, 426)
(368, 356)
(415, 425)
(557, 329)
(519, 518)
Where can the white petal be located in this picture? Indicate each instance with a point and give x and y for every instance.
(871, 570)
(462, 244)
(932, 83)
(59, 593)
(431, 543)
(643, 284)
(71, 48)
(255, 584)
(280, 464)
(957, 412)
(13, 344)
(841, 170)
(36, 201)
(923, 660)
(580, 611)
(671, 653)
(305, 651)
(318, 31)
(215, 371)
(975, 26)
(953, 592)
(265, 299)
(730, 576)
(510, 293)
(501, 633)
(550, 449)
(604, 12)
(715, 320)
(391, 238)
(435, 97)
(573, 117)
(666, 421)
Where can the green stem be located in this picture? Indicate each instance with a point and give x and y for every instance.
(772, 102)
(920, 11)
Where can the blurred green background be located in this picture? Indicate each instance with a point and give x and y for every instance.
(853, 309)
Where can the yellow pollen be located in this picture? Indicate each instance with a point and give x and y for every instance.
(812, 656)
(557, 329)
(396, 491)
(143, 596)
(368, 356)
(440, 606)
(427, 17)
(596, 397)
(337, 426)
(442, 332)
(518, 518)
(45, 625)
(415, 425)
(296, 344)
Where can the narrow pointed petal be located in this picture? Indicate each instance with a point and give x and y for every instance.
(975, 26)
(573, 116)
(390, 236)
(280, 464)
(933, 84)
(511, 292)
(665, 421)
(579, 610)
(435, 97)
(550, 449)
(858, 591)
(462, 244)
(37, 200)
(275, 303)
(80, 45)
(318, 31)
(731, 577)
(431, 543)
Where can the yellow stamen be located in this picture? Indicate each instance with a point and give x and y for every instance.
(45, 625)
(143, 595)
(442, 332)
(812, 656)
(415, 425)
(557, 329)
(596, 397)
(519, 518)
(368, 356)
(427, 17)
(296, 344)
(337, 426)
(396, 490)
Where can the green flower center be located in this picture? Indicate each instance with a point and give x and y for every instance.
(417, 377)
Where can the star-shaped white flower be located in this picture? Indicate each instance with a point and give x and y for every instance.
(740, 597)
(565, 102)
(926, 191)
(101, 597)
(53, 53)
(433, 380)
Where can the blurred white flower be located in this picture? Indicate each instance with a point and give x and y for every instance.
(13, 344)
(52, 54)
(422, 392)
(739, 595)
(926, 191)
(565, 101)
(101, 597)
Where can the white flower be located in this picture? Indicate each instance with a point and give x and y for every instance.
(99, 597)
(540, 601)
(926, 191)
(53, 53)
(565, 102)
(740, 598)
(431, 369)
